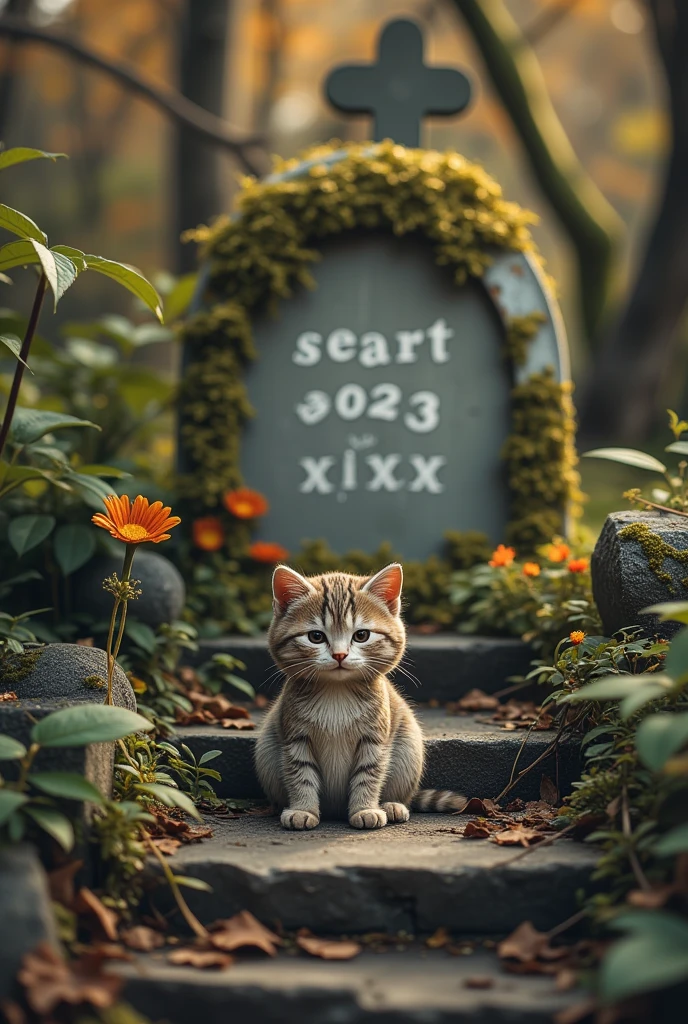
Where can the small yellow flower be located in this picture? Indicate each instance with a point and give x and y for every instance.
(577, 637)
(531, 569)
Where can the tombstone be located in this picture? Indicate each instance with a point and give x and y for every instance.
(383, 399)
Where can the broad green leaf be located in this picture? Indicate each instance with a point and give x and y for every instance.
(19, 224)
(193, 883)
(11, 749)
(672, 843)
(676, 663)
(209, 755)
(67, 785)
(142, 635)
(678, 447)
(676, 611)
(59, 270)
(617, 687)
(661, 736)
(240, 684)
(20, 154)
(18, 474)
(92, 489)
(55, 824)
(10, 800)
(176, 302)
(87, 723)
(76, 256)
(27, 532)
(14, 344)
(18, 254)
(169, 797)
(130, 279)
(635, 701)
(653, 956)
(73, 544)
(105, 471)
(151, 334)
(91, 353)
(629, 457)
(29, 425)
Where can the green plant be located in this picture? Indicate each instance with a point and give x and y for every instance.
(145, 762)
(192, 773)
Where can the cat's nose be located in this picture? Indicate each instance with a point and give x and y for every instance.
(340, 656)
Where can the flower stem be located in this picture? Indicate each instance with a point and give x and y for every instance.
(112, 653)
(21, 363)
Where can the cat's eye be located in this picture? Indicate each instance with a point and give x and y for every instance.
(316, 636)
(361, 635)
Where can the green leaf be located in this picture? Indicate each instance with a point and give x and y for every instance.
(73, 544)
(676, 611)
(659, 737)
(629, 457)
(92, 490)
(654, 956)
(18, 474)
(29, 425)
(11, 749)
(676, 663)
(209, 755)
(88, 723)
(240, 684)
(91, 353)
(19, 224)
(672, 843)
(104, 471)
(20, 154)
(67, 785)
(129, 278)
(59, 270)
(18, 254)
(27, 532)
(177, 301)
(679, 447)
(635, 701)
(10, 800)
(617, 687)
(76, 256)
(142, 635)
(55, 824)
(169, 797)
(193, 883)
(14, 344)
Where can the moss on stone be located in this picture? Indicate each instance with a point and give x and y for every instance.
(520, 331)
(95, 682)
(656, 550)
(14, 668)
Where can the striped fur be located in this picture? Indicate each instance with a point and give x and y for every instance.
(340, 741)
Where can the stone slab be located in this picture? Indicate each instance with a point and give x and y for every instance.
(415, 876)
(445, 665)
(462, 753)
(623, 582)
(413, 986)
(25, 911)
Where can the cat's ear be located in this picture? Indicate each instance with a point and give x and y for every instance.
(287, 586)
(386, 584)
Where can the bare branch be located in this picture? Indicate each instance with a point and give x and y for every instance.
(176, 106)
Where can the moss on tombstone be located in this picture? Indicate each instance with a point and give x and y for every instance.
(266, 254)
(656, 550)
(15, 667)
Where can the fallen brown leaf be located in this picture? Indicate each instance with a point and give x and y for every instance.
(327, 949)
(166, 845)
(474, 831)
(49, 980)
(479, 981)
(142, 938)
(8, 695)
(566, 979)
(519, 835)
(476, 700)
(652, 899)
(243, 930)
(525, 943)
(88, 902)
(61, 882)
(485, 808)
(236, 723)
(440, 938)
(548, 791)
(200, 958)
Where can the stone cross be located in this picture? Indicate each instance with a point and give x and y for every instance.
(399, 90)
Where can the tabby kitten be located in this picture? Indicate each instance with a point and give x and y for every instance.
(340, 742)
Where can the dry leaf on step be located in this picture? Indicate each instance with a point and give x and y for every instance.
(518, 836)
(476, 700)
(142, 938)
(479, 981)
(475, 831)
(237, 723)
(485, 808)
(327, 949)
(548, 791)
(440, 938)
(525, 943)
(243, 930)
(49, 980)
(8, 695)
(200, 958)
(88, 902)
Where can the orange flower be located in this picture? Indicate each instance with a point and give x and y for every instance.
(558, 552)
(531, 569)
(137, 523)
(245, 503)
(208, 533)
(578, 565)
(266, 551)
(577, 637)
(502, 556)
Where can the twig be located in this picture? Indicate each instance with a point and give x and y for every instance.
(23, 356)
(173, 103)
(661, 508)
(194, 924)
(638, 873)
(568, 923)
(537, 846)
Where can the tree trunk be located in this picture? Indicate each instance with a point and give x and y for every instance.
(203, 30)
(621, 401)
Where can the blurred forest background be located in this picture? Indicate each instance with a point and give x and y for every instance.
(614, 71)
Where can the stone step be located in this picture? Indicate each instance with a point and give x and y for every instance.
(413, 877)
(462, 753)
(413, 986)
(445, 665)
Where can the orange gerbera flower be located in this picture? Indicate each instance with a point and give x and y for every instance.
(531, 569)
(502, 556)
(558, 552)
(577, 637)
(578, 565)
(137, 523)
(245, 503)
(267, 551)
(208, 533)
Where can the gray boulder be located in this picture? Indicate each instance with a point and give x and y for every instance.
(640, 559)
(163, 592)
(73, 673)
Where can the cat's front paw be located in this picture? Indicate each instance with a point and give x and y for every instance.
(298, 820)
(396, 812)
(369, 817)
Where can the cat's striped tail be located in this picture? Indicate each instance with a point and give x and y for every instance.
(438, 801)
